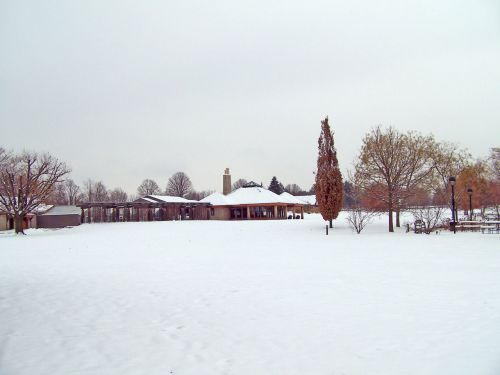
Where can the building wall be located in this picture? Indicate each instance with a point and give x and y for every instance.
(4, 223)
(220, 213)
(57, 221)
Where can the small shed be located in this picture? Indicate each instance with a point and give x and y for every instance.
(59, 217)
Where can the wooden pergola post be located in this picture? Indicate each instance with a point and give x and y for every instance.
(302, 212)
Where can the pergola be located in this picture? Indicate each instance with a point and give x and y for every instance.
(106, 212)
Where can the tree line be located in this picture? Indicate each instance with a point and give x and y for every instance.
(394, 171)
(397, 171)
(69, 193)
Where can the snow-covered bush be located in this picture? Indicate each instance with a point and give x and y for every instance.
(432, 217)
(358, 218)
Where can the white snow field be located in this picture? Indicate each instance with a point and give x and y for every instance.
(265, 297)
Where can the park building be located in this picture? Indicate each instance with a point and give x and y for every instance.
(252, 202)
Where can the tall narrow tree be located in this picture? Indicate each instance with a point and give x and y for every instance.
(329, 191)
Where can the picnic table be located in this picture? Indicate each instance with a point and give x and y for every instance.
(469, 226)
(488, 226)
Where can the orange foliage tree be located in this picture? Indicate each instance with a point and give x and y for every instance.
(329, 188)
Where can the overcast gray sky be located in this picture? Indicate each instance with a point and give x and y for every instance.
(127, 90)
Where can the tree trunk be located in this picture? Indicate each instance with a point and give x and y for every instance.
(398, 224)
(18, 224)
(390, 209)
(331, 223)
(391, 224)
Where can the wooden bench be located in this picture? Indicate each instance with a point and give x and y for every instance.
(419, 226)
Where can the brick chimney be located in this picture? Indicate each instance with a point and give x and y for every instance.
(226, 182)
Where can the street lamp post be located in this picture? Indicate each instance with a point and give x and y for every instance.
(469, 191)
(453, 226)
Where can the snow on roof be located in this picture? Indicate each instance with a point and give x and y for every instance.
(292, 198)
(63, 210)
(216, 199)
(168, 199)
(148, 199)
(248, 195)
(308, 199)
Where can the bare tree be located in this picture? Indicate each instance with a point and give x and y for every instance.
(199, 195)
(358, 218)
(448, 160)
(148, 187)
(100, 191)
(88, 191)
(293, 189)
(417, 168)
(391, 165)
(359, 215)
(73, 192)
(239, 183)
(495, 162)
(58, 195)
(431, 217)
(179, 185)
(27, 181)
(94, 191)
(4, 156)
(118, 195)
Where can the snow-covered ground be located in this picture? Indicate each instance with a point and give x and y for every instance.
(276, 297)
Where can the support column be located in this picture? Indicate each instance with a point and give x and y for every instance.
(82, 216)
(275, 212)
(248, 213)
(126, 214)
(302, 212)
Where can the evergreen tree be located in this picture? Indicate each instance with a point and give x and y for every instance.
(275, 186)
(329, 189)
